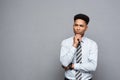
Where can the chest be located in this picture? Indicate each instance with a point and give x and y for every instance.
(85, 52)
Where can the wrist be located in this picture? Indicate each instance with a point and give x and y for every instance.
(75, 45)
(72, 66)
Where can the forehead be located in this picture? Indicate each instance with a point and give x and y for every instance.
(79, 21)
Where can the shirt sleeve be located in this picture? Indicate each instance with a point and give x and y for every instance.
(66, 54)
(91, 64)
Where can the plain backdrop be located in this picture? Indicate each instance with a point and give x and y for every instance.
(31, 32)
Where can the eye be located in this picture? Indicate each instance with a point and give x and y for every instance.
(81, 25)
(76, 25)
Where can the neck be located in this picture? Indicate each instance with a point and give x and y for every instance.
(80, 34)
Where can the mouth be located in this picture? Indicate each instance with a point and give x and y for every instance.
(77, 30)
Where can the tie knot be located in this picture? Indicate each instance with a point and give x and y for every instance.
(79, 44)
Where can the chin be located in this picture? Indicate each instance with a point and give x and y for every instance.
(78, 33)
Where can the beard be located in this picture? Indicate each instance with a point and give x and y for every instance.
(78, 32)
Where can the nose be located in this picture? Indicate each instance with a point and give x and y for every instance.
(78, 27)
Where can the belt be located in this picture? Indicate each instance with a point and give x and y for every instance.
(71, 79)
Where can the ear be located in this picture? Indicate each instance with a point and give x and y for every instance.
(86, 27)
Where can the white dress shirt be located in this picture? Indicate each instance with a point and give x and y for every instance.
(89, 57)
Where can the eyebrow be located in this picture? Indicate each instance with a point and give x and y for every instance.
(78, 25)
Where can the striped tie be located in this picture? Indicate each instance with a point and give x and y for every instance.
(79, 60)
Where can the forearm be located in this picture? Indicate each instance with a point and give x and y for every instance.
(84, 67)
(87, 67)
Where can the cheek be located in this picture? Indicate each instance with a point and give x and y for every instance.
(74, 28)
(83, 30)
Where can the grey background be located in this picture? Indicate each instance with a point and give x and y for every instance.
(31, 32)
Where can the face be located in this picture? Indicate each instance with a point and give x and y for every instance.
(80, 27)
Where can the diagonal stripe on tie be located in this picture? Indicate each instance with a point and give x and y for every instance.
(79, 47)
(78, 60)
(78, 76)
(78, 52)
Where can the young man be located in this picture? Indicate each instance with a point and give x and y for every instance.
(78, 54)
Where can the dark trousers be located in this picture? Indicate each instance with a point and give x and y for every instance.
(68, 79)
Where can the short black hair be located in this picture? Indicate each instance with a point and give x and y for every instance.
(83, 17)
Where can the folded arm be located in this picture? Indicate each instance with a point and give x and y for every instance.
(91, 64)
(66, 54)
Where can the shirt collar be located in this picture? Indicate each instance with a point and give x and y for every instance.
(83, 39)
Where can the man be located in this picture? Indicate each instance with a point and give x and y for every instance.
(78, 54)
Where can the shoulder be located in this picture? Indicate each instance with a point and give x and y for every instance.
(67, 41)
(90, 41)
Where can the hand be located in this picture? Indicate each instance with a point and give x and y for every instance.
(72, 66)
(77, 38)
(69, 67)
(66, 68)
